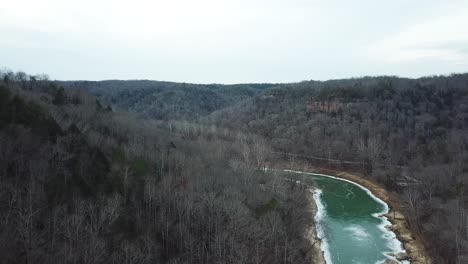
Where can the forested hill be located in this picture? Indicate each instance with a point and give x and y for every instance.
(168, 100)
(382, 119)
(81, 183)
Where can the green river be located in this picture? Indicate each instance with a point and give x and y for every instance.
(350, 224)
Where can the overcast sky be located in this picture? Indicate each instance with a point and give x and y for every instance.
(233, 41)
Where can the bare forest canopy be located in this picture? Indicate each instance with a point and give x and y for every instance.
(147, 171)
(83, 183)
(168, 100)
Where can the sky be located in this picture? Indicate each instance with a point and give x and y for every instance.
(233, 41)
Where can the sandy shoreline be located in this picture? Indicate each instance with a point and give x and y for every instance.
(415, 251)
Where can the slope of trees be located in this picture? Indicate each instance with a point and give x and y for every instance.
(80, 183)
(167, 100)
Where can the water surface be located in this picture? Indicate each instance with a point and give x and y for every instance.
(350, 224)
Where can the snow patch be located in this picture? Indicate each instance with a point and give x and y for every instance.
(319, 215)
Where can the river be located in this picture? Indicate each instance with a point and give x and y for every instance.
(350, 224)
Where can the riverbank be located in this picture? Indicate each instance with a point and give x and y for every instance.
(317, 256)
(415, 251)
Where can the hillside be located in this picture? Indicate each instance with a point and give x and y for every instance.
(80, 183)
(168, 100)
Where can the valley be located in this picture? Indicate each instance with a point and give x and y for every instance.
(158, 171)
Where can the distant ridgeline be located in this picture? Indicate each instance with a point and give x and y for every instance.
(168, 100)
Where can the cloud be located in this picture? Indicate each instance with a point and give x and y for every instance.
(444, 38)
(233, 40)
(108, 15)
